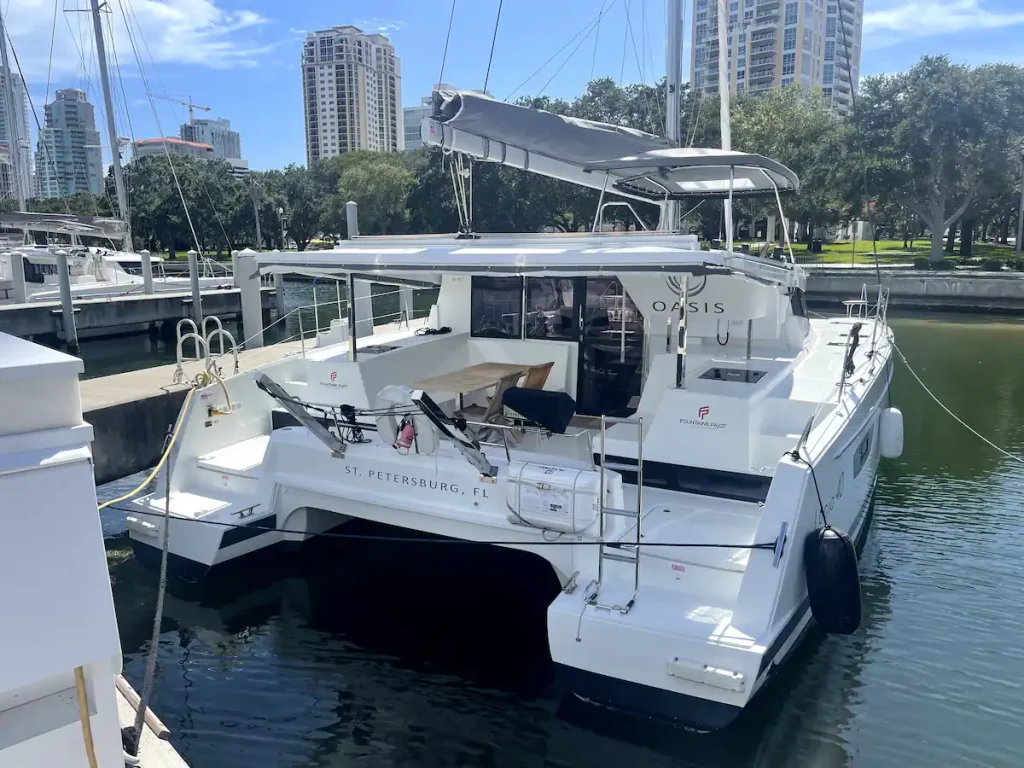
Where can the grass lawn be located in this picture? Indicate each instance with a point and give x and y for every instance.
(889, 252)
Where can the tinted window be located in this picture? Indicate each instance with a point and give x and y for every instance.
(551, 308)
(497, 307)
(863, 452)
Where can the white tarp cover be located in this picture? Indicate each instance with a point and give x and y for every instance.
(599, 155)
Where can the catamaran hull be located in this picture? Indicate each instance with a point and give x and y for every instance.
(695, 712)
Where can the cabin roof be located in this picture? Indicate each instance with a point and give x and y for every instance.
(539, 255)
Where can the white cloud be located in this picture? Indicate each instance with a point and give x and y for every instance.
(908, 19)
(197, 32)
(381, 26)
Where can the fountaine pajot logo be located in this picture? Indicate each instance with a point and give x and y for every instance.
(702, 419)
(333, 383)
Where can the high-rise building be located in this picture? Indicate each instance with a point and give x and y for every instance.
(21, 143)
(69, 157)
(352, 93)
(781, 42)
(227, 144)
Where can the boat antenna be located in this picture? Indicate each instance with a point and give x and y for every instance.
(723, 98)
(115, 146)
(673, 78)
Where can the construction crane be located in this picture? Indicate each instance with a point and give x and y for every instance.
(191, 106)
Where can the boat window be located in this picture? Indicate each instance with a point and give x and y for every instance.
(551, 308)
(497, 307)
(863, 451)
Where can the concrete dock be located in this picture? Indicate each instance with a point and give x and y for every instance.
(920, 290)
(121, 314)
(130, 412)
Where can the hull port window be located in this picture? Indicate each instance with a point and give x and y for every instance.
(497, 307)
(551, 310)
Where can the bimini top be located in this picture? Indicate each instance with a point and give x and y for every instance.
(598, 155)
(426, 258)
(687, 172)
(65, 224)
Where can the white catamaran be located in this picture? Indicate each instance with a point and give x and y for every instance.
(679, 421)
(692, 454)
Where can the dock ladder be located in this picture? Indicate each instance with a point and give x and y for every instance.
(618, 551)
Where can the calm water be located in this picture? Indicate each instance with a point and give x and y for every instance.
(389, 655)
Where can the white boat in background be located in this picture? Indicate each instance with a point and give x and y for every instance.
(59, 694)
(95, 272)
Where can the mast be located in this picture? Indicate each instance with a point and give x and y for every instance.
(12, 120)
(673, 78)
(723, 97)
(115, 147)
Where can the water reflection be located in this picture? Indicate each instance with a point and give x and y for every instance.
(402, 656)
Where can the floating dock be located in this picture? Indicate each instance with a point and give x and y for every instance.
(155, 751)
(121, 314)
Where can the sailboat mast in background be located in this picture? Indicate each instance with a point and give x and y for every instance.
(723, 97)
(673, 85)
(115, 146)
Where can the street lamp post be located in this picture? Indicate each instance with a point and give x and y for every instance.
(280, 216)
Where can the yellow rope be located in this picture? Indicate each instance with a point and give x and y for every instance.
(202, 379)
(163, 459)
(83, 716)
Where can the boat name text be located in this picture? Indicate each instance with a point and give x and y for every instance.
(413, 481)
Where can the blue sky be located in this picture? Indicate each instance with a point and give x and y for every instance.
(242, 58)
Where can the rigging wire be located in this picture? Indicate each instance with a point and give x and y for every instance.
(625, 39)
(447, 39)
(956, 418)
(593, 25)
(597, 38)
(156, 116)
(853, 107)
(494, 39)
(49, 62)
(124, 107)
(589, 25)
(202, 180)
(639, 65)
(35, 115)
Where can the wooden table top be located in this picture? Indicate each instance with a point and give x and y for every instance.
(471, 378)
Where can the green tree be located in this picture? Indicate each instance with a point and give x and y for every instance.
(797, 128)
(933, 136)
(380, 183)
(302, 204)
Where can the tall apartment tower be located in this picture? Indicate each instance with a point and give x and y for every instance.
(8, 144)
(352, 93)
(781, 42)
(68, 158)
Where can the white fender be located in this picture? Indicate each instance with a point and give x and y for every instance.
(890, 433)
